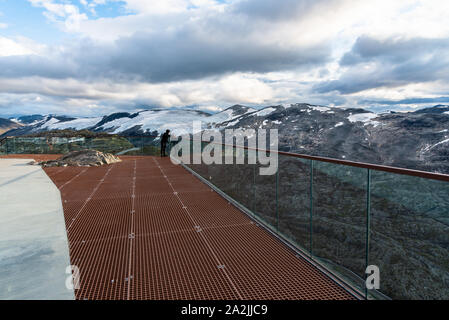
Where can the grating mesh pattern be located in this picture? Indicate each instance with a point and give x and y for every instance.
(147, 229)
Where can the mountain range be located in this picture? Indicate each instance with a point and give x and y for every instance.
(414, 140)
(7, 125)
(146, 122)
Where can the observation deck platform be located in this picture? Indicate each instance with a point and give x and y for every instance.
(145, 228)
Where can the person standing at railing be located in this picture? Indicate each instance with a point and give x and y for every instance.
(164, 140)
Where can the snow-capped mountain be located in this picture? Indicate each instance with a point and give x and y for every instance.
(27, 120)
(415, 140)
(7, 125)
(150, 122)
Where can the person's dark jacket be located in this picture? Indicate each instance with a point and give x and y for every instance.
(165, 137)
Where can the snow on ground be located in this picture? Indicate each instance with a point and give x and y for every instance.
(232, 123)
(264, 112)
(447, 112)
(277, 122)
(366, 118)
(77, 124)
(339, 124)
(321, 109)
(428, 147)
(222, 116)
(226, 115)
(437, 144)
(179, 122)
(48, 122)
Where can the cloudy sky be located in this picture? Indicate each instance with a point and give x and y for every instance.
(92, 57)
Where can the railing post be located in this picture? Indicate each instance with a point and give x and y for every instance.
(254, 187)
(170, 144)
(311, 209)
(368, 222)
(277, 202)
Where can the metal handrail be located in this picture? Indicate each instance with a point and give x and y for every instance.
(390, 169)
(397, 170)
(367, 212)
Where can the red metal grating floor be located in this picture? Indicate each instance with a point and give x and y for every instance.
(147, 229)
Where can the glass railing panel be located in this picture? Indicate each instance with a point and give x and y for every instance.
(61, 145)
(200, 168)
(142, 146)
(236, 180)
(266, 197)
(114, 144)
(27, 145)
(294, 200)
(65, 145)
(339, 219)
(240, 180)
(3, 150)
(410, 235)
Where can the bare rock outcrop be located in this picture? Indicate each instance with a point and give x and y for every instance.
(83, 158)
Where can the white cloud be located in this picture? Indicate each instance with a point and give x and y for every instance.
(66, 15)
(207, 53)
(18, 46)
(72, 95)
(157, 6)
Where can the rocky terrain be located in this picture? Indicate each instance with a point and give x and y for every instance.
(142, 123)
(415, 140)
(7, 125)
(83, 158)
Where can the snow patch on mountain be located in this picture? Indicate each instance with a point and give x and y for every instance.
(227, 115)
(321, 109)
(232, 123)
(265, 112)
(366, 118)
(178, 121)
(429, 147)
(77, 124)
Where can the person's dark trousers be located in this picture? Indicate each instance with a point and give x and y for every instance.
(163, 147)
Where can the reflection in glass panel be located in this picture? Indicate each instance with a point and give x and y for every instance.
(266, 197)
(339, 219)
(60, 145)
(236, 180)
(294, 200)
(410, 235)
